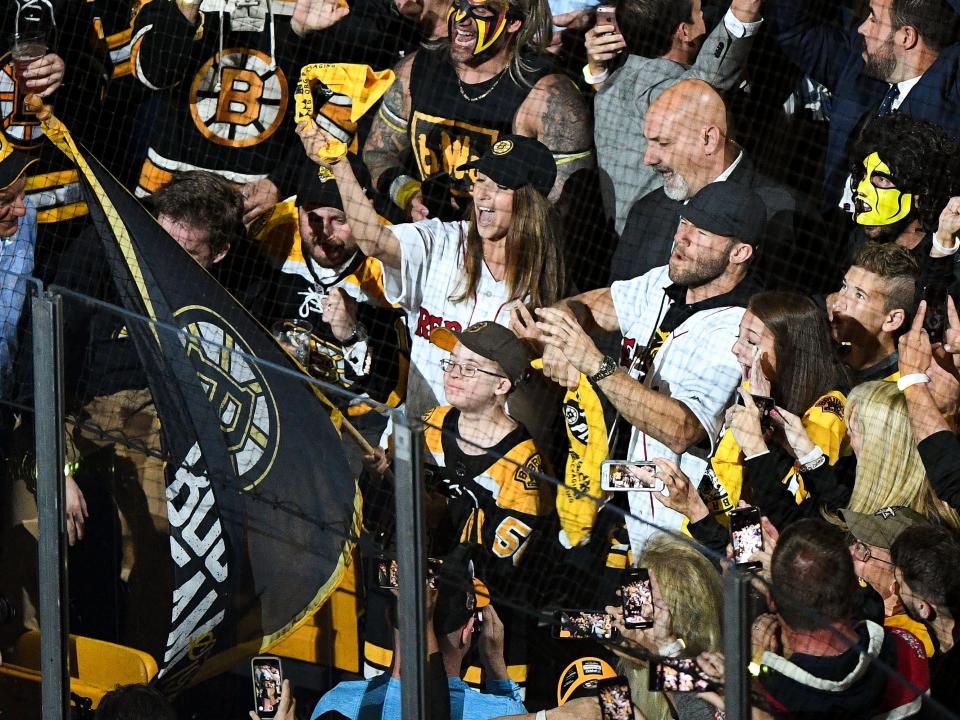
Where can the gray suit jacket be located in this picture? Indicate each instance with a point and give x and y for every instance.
(620, 107)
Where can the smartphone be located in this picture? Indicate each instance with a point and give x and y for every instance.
(583, 625)
(267, 674)
(764, 404)
(621, 476)
(614, 697)
(745, 535)
(388, 576)
(678, 675)
(607, 15)
(935, 320)
(636, 596)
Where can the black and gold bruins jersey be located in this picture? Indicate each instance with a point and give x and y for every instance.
(495, 500)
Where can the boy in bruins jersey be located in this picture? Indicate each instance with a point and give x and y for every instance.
(488, 463)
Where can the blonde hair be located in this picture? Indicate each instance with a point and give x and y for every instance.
(693, 593)
(889, 469)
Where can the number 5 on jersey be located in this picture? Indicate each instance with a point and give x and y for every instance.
(510, 537)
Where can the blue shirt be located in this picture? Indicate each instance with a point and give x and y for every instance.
(16, 266)
(348, 698)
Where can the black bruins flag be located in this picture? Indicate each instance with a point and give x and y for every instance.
(261, 505)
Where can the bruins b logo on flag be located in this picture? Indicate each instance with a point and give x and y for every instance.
(238, 390)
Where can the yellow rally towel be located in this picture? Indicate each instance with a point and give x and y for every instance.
(587, 436)
(336, 96)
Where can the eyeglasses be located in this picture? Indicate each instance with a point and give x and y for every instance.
(467, 371)
(861, 552)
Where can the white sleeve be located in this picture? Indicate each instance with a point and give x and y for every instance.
(709, 387)
(630, 297)
(404, 285)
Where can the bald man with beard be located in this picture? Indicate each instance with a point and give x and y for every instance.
(689, 145)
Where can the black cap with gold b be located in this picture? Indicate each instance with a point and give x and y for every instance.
(492, 341)
(515, 161)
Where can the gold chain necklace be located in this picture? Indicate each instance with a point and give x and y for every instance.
(480, 97)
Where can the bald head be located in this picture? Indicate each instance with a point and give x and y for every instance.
(686, 132)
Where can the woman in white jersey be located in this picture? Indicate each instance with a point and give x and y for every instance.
(454, 274)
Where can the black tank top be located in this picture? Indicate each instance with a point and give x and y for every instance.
(446, 129)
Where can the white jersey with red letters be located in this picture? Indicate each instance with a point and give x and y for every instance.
(430, 273)
(694, 365)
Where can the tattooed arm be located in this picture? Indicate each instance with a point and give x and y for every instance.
(388, 144)
(557, 115)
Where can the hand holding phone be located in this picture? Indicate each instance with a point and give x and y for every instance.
(623, 476)
(267, 675)
(614, 697)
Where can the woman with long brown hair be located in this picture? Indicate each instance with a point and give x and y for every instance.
(455, 274)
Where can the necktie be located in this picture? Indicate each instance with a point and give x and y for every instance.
(888, 100)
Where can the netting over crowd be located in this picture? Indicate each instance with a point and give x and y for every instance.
(663, 291)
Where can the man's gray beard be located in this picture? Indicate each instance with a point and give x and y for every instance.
(677, 188)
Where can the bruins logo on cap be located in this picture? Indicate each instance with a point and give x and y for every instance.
(324, 173)
(503, 147)
(477, 327)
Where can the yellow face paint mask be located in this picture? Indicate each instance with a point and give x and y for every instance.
(491, 20)
(878, 201)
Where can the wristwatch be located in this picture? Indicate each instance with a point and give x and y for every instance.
(608, 366)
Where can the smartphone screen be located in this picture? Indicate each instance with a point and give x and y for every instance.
(607, 15)
(387, 576)
(583, 625)
(764, 404)
(622, 476)
(267, 676)
(745, 535)
(935, 319)
(678, 675)
(636, 596)
(614, 697)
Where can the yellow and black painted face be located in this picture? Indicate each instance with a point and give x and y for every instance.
(878, 200)
(491, 16)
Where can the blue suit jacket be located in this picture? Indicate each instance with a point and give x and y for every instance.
(834, 58)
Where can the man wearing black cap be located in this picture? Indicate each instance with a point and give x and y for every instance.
(339, 290)
(18, 233)
(676, 374)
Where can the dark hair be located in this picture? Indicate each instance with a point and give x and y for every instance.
(919, 154)
(534, 263)
(647, 26)
(934, 20)
(813, 580)
(928, 557)
(807, 366)
(135, 702)
(898, 268)
(203, 200)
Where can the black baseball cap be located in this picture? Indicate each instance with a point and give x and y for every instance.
(13, 163)
(729, 209)
(317, 187)
(515, 161)
(492, 341)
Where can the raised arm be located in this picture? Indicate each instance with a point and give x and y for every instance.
(388, 144)
(818, 48)
(372, 237)
(725, 51)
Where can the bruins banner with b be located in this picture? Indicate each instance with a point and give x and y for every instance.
(261, 505)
